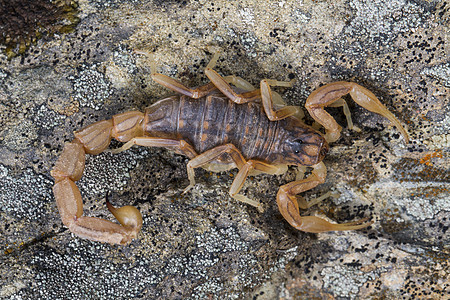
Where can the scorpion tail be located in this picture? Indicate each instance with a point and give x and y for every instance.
(69, 168)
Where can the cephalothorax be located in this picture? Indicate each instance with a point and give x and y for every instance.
(217, 127)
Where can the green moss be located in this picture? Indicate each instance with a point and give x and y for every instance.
(24, 22)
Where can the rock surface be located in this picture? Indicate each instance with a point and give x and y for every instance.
(205, 245)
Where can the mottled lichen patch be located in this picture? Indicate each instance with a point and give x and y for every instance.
(91, 87)
(398, 17)
(422, 205)
(439, 72)
(346, 281)
(24, 195)
(108, 172)
(25, 199)
(19, 136)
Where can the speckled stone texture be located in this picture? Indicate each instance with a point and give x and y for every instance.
(205, 245)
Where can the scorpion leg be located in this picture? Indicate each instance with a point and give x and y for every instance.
(342, 103)
(178, 87)
(267, 96)
(174, 84)
(289, 207)
(275, 101)
(267, 99)
(242, 175)
(223, 84)
(245, 167)
(239, 82)
(180, 145)
(201, 91)
(326, 95)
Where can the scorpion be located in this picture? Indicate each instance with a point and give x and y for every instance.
(224, 124)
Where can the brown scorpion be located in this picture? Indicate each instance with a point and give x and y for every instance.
(218, 127)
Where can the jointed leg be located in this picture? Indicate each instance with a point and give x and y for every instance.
(201, 91)
(303, 204)
(174, 84)
(267, 98)
(289, 207)
(221, 84)
(245, 167)
(182, 146)
(326, 95)
(244, 85)
(342, 103)
(178, 87)
(241, 176)
(239, 82)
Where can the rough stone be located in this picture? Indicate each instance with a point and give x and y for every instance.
(205, 245)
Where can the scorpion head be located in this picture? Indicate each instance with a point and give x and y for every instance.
(305, 146)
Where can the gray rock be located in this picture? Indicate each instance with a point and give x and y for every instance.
(205, 245)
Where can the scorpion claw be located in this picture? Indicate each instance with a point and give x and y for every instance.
(289, 206)
(316, 225)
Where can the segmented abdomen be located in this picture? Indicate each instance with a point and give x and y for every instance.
(212, 121)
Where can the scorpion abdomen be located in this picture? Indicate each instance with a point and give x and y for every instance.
(212, 121)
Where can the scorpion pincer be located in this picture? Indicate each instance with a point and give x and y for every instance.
(217, 127)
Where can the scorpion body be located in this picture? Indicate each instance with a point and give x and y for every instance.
(214, 120)
(217, 127)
